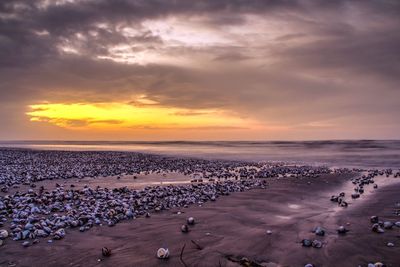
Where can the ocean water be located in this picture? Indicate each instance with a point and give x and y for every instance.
(359, 154)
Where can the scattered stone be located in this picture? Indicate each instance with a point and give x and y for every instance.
(26, 244)
(374, 219)
(319, 231)
(306, 242)
(316, 244)
(342, 230)
(377, 228)
(3, 234)
(388, 225)
(390, 244)
(184, 228)
(106, 252)
(190, 221)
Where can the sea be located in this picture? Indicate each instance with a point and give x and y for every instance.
(334, 153)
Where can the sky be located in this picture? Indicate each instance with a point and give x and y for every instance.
(199, 70)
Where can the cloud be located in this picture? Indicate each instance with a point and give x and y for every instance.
(286, 63)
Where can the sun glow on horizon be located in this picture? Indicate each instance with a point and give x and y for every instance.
(117, 116)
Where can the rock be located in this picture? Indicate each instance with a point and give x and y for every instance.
(3, 234)
(269, 232)
(306, 242)
(377, 229)
(374, 219)
(106, 252)
(190, 221)
(319, 231)
(390, 244)
(26, 244)
(342, 230)
(59, 234)
(184, 228)
(308, 265)
(388, 225)
(163, 253)
(316, 244)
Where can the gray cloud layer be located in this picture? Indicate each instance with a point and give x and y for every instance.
(325, 68)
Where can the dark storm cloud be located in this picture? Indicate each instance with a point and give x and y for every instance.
(289, 61)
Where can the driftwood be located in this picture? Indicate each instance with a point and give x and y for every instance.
(243, 261)
(181, 256)
(197, 245)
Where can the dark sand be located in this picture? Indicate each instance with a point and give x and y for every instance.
(236, 225)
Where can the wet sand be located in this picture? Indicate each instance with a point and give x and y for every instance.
(137, 181)
(236, 225)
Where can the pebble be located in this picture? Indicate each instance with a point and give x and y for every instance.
(319, 231)
(390, 244)
(3, 234)
(316, 244)
(342, 230)
(184, 228)
(374, 219)
(388, 225)
(106, 252)
(377, 228)
(306, 242)
(190, 221)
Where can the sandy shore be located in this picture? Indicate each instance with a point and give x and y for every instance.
(236, 225)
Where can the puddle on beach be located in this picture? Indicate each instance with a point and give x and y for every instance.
(294, 206)
(348, 189)
(283, 217)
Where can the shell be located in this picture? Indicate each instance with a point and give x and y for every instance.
(163, 253)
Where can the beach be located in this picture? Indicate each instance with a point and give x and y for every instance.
(255, 226)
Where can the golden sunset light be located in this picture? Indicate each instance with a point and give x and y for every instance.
(117, 116)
